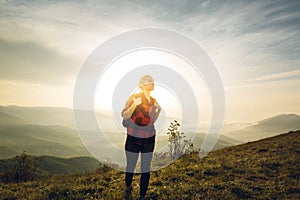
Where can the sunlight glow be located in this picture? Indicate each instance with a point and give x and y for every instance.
(122, 65)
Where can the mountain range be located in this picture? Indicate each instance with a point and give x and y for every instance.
(36, 115)
(263, 128)
(51, 131)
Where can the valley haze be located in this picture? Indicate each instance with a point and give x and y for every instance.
(51, 131)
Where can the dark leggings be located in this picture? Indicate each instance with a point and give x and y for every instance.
(132, 154)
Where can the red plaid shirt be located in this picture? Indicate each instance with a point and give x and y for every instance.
(140, 124)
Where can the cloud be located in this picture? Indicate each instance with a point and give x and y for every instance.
(253, 43)
(32, 62)
(249, 39)
(32, 94)
(289, 75)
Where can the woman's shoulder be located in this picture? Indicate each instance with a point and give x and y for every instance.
(153, 99)
(132, 96)
(135, 95)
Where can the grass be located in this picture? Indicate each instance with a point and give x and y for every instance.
(266, 169)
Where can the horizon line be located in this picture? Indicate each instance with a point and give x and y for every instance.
(106, 112)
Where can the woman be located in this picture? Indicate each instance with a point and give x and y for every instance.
(139, 115)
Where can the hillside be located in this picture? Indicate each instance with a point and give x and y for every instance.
(40, 140)
(63, 117)
(266, 169)
(41, 115)
(50, 165)
(65, 142)
(50, 131)
(8, 120)
(279, 123)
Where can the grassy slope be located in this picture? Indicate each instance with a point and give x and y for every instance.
(49, 165)
(266, 169)
(54, 165)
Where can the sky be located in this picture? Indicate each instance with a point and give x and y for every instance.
(255, 46)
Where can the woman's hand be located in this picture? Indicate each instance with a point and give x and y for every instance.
(137, 101)
(128, 112)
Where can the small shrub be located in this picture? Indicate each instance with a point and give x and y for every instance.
(177, 144)
(24, 170)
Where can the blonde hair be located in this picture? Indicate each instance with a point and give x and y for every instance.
(145, 79)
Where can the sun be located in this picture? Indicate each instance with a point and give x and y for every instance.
(119, 68)
(109, 84)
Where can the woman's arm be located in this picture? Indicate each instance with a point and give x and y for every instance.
(130, 107)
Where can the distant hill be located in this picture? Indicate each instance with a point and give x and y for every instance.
(264, 128)
(39, 131)
(49, 165)
(265, 169)
(40, 140)
(40, 115)
(51, 131)
(8, 120)
(279, 123)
